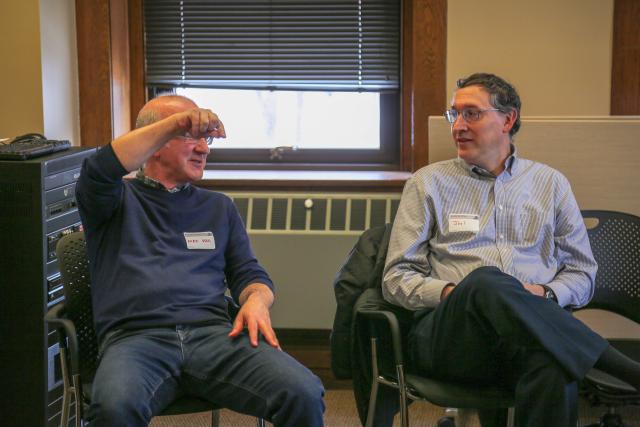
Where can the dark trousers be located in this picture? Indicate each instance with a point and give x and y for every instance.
(491, 330)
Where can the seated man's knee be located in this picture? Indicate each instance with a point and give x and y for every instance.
(300, 397)
(119, 400)
(116, 407)
(307, 391)
(483, 278)
(487, 285)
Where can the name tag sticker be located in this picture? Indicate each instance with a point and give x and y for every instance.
(464, 222)
(202, 240)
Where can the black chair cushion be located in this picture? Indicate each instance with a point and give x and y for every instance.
(449, 394)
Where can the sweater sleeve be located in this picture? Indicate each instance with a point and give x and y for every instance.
(241, 266)
(99, 188)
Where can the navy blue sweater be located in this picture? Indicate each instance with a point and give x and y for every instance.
(143, 274)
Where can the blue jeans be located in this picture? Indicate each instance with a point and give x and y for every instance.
(142, 371)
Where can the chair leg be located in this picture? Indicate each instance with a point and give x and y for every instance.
(374, 385)
(77, 387)
(404, 410)
(511, 417)
(66, 406)
(215, 418)
(67, 389)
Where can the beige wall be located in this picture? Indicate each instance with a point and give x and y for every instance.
(599, 156)
(39, 65)
(556, 52)
(20, 69)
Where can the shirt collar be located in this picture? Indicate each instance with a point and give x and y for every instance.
(154, 183)
(511, 166)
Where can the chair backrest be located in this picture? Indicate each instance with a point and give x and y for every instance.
(74, 268)
(615, 241)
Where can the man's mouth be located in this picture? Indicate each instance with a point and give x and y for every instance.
(197, 162)
(461, 140)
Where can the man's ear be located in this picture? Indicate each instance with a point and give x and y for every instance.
(161, 150)
(511, 118)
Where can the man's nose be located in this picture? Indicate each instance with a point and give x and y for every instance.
(459, 123)
(202, 146)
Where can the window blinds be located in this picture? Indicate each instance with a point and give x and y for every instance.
(273, 44)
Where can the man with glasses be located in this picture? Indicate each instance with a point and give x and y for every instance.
(488, 249)
(162, 254)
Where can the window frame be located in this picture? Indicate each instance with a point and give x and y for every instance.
(165, 76)
(387, 157)
(112, 87)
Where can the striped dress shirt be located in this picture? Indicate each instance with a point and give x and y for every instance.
(454, 218)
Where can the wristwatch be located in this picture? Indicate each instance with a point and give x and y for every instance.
(549, 294)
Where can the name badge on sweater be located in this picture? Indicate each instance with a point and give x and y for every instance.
(464, 222)
(202, 240)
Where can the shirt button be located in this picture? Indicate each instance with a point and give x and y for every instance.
(502, 236)
(500, 207)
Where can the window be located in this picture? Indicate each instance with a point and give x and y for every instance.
(319, 80)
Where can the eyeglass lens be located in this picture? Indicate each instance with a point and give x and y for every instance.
(468, 114)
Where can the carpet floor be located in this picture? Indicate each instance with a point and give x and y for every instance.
(341, 412)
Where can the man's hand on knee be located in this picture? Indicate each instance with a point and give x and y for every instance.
(255, 301)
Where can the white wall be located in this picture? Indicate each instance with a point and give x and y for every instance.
(59, 70)
(556, 52)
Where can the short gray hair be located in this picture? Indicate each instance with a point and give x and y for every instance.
(146, 117)
(502, 94)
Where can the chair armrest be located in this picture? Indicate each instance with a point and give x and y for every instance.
(390, 321)
(67, 336)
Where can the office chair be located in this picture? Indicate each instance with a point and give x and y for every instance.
(615, 242)
(73, 320)
(373, 351)
(387, 338)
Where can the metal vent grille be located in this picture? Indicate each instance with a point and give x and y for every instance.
(16, 199)
(314, 213)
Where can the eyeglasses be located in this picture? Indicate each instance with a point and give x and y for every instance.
(188, 139)
(468, 114)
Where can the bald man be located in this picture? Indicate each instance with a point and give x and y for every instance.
(162, 255)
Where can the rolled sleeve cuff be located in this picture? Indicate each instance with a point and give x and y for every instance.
(563, 295)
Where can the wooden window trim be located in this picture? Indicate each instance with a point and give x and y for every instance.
(108, 77)
(625, 69)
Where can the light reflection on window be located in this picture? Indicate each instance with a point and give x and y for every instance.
(311, 120)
